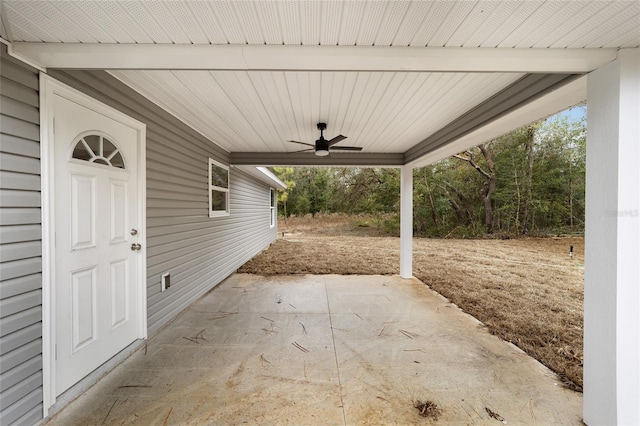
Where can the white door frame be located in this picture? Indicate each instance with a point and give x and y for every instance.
(49, 88)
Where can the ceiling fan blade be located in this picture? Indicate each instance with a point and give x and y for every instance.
(346, 148)
(336, 140)
(303, 143)
(302, 150)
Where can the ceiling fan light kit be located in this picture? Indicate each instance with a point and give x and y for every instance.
(323, 146)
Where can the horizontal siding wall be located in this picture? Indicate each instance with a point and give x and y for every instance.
(20, 245)
(198, 251)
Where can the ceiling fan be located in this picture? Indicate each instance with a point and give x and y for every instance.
(323, 146)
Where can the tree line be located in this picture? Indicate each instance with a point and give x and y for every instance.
(530, 181)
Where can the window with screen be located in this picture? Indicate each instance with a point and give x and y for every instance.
(218, 189)
(273, 206)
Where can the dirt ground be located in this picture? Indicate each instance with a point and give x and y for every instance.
(527, 291)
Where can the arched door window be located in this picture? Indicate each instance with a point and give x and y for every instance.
(98, 149)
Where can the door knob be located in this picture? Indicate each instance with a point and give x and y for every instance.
(135, 247)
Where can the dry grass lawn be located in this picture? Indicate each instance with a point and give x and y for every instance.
(527, 291)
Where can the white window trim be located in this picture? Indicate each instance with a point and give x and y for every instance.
(218, 213)
(273, 208)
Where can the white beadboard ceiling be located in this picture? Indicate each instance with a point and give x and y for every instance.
(258, 111)
(444, 23)
(384, 111)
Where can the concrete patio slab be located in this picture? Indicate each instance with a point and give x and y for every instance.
(324, 350)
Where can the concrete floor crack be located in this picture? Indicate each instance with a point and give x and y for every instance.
(335, 352)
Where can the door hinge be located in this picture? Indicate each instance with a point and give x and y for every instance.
(54, 125)
(56, 352)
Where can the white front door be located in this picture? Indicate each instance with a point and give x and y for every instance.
(97, 234)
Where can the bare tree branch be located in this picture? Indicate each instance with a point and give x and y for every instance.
(489, 185)
(475, 165)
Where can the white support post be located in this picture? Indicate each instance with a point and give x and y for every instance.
(612, 258)
(406, 222)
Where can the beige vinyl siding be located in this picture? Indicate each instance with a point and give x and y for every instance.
(199, 252)
(20, 245)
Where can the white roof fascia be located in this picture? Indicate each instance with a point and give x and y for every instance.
(311, 58)
(560, 99)
(19, 57)
(264, 175)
